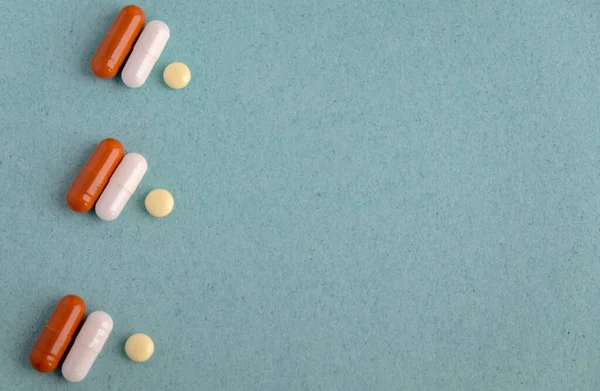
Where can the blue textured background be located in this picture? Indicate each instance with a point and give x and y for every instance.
(370, 195)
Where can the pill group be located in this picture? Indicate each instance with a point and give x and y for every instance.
(56, 336)
(144, 45)
(108, 180)
(106, 183)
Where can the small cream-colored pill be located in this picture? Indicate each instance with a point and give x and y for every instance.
(159, 203)
(139, 347)
(177, 75)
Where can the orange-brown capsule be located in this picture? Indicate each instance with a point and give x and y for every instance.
(117, 42)
(94, 176)
(57, 334)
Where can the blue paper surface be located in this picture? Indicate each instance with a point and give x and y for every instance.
(369, 195)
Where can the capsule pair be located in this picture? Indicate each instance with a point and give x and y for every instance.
(117, 44)
(58, 333)
(107, 180)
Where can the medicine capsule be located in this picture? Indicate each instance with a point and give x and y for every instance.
(117, 42)
(94, 175)
(87, 346)
(57, 334)
(146, 52)
(121, 186)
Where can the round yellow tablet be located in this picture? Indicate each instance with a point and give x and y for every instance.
(139, 347)
(159, 203)
(177, 75)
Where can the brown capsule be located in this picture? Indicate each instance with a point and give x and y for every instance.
(117, 42)
(94, 176)
(57, 334)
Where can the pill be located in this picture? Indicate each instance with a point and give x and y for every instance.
(139, 347)
(117, 42)
(57, 334)
(159, 203)
(177, 75)
(94, 175)
(121, 186)
(87, 346)
(145, 53)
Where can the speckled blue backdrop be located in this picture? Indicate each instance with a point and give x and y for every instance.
(370, 195)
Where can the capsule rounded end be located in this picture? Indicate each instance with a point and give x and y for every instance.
(140, 160)
(111, 143)
(133, 9)
(110, 204)
(74, 374)
(73, 377)
(73, 301)
(78, 363)
(100, 68)
(77, 203)
(132, 81)
(42, 362)
(159, 25)
(102, 319)
(106, 214)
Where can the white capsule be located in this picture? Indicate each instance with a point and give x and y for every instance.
(87, 346)
(121, 186)
(145, 53)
